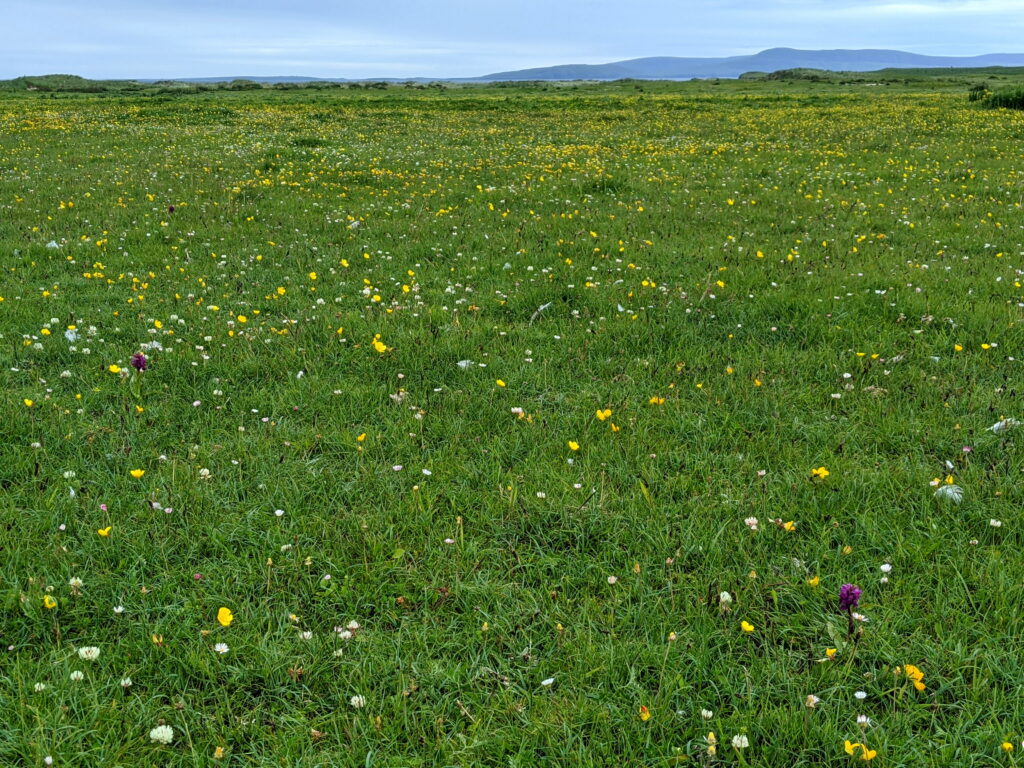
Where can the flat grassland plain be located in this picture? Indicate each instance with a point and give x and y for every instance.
(458, 410)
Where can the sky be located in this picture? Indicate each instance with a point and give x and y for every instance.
(466, 38)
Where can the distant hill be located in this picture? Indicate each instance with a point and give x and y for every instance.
(771, 60)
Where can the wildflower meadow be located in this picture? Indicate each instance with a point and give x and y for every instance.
(592, 425)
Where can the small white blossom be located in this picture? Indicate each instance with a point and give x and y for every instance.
(221, 648)
(740, 741)
(358, 701)
(77, 676)
(162, 734)
(707, 714)
(89, 653)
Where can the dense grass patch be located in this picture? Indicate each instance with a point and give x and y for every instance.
(512, 427)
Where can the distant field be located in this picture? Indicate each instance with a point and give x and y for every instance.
(512, 426)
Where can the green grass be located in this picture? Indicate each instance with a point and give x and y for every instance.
(869, 247)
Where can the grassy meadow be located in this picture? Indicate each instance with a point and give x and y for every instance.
(512, 426)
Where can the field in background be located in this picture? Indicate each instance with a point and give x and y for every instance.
(513, 426)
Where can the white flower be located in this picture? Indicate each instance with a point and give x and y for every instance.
(89, 653)
(811, 701)
(1004, 425)
(75, 583)
(221, 648)
(740, 741)
(548, 682)
(751, 523)
(995, 523)
(885, 568)
(953, 493)
(859, 617)
(612, 579)
(278, 513)
(725, 598)
(860, 695)
(707, 714)
(162, 734)
(863, 721)
(77, 675)
(39, 687)
(47, 760)
(118, 609)
(126, 682)
(353, 625)
(464, 364)
(358, 701)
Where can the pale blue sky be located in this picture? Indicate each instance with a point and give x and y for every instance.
(457, 38)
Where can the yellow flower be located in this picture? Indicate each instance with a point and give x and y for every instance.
(312, 275)
(137, 473)
(602, 415)
(615, 428)
(657, 400)
(28, 403)
(380, 346)
(814, 581)
(821, 473)
(105, 531)
(645, 713)
(114, 368)
(361, 438)
(499, 382)
(915, 675)
(746, 626)
(831, 652)
(1007, 746)
(573, 445)
(49, 603)
(218, 753)
(242, 319)
(225, 617)
(790, 526)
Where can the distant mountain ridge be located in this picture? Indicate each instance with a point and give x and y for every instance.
(770, 60)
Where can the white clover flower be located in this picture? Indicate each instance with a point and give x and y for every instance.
(707, 714)
(725, 598)
(358, 701)
(995, 523)
(162, 734)
(126, 682)
(77, 676)
(89, 653)
(740, 741)
(885, 568)
(751, 523)
(75, 583)
(953, 493)
(39, 687)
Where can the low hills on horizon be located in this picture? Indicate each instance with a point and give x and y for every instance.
(648, 68)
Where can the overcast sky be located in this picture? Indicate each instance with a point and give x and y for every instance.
(456, 38)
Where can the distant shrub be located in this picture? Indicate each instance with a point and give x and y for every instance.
(978, 92)
(1012, 98)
